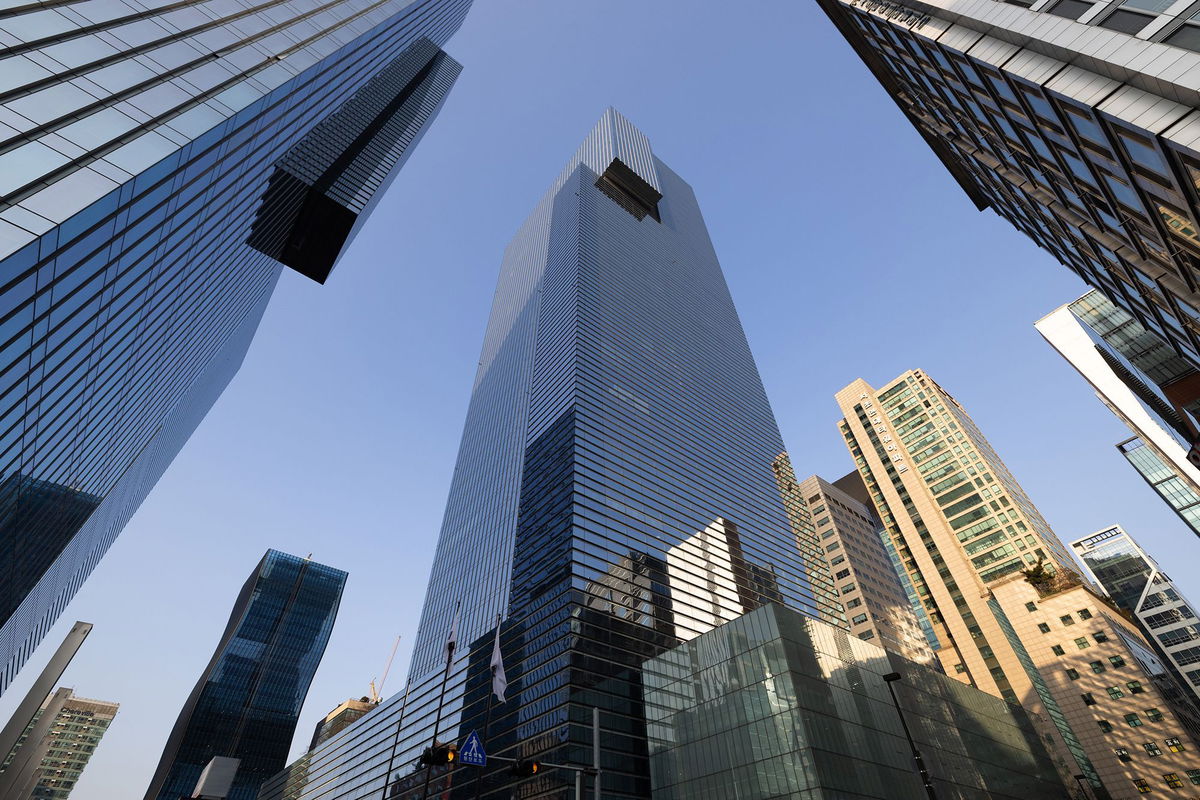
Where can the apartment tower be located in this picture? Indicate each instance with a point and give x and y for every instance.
(55, 747)
(159, 166)
(1010, 613)
(1076, 121)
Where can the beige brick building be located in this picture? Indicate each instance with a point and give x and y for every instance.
(965, 532)
(871, 592)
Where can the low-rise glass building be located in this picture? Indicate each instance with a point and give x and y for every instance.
(777, 704)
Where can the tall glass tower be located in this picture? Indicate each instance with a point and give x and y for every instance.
(248, 700)
(615, 493)
(158, 167)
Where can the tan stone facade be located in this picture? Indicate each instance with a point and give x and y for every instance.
(870, 591)
(965, 530)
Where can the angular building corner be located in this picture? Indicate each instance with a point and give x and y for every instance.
(158, 168)
(1076, 121)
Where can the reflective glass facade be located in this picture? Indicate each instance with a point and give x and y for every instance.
(1136, 584)
(620, 487)
(248, 699)
(779, 705)
(1081, 134)
(157, 167)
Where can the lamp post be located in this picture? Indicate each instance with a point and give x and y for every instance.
(889, 679)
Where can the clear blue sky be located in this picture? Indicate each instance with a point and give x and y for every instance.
(849, 250)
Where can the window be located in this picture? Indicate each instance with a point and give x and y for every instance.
(1058, 650)
(858, 620)
(1073, 674)
(1067, 619)
(1100, 636)
(1097, 666)
(849, 587)
(1084, 613)
(842, 573)
(1174, 745)
(1126, 21)
(1082, 643)
(1194, 776)
(1071, 9)
(1116, 661)
(1142, 786)
(1115, 692)
(1031, 606)
(854, 603)
(1105, 725)
(1043, 627)
(1123, 754)
(1088, 699)
(1172, 779)
(1152, 748)
(1135, 687)
(959, 668)
(1133, 720)
(865, 635)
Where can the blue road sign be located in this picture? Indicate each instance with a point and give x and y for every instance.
(471, 752)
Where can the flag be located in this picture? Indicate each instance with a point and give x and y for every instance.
(499, 680)
(452, 640)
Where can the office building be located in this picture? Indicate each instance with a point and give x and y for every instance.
(158, 168)
(876, 597)
(341, 718)
(777, 704)
(1124, 364)
(248, 699)
(1011, 614)
(1074, 120)
(1136, 584)
(55, 747)
(615, 493)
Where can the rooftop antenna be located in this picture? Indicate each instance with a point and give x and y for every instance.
(375, 696)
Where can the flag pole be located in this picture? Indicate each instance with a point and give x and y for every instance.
(387, 779)
(487, 720)
(451, 643)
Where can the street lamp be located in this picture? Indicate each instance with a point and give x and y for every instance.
(889, 679)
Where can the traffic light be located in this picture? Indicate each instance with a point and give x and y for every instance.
(438, 755)
(524, 769)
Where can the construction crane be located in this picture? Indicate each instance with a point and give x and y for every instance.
(376, 698)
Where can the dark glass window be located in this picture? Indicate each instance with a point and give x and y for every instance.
(1088, 699)
(1122, 754)
(1154, 714)
(1187, 37)
(1043, 627)
(1152, 748)
(1071, 9)
(1125, 21)
(1073, 674)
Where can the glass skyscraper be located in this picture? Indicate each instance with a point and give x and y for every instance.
(248, 700)
(615, 493)
(1074, 120)
(158, 167)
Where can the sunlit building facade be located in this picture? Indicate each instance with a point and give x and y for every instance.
(1125, 364)
(876, 597)
(615, 494)
(1011, 614)
(1138, 585)
(247, 702)
(159, 165)
(56, 746)
(1076, 121)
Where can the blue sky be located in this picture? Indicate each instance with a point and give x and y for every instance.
(849, 250)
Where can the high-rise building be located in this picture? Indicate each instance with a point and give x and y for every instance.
(1124, 364)
(875, 596)
(1011, 614)
(1138, 585)
(248, 699)
(55, 747)
(615, 493)
(341, 718)
(1074, 120)
(158, 167)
